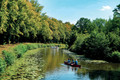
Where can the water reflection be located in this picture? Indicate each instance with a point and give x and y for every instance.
(104, 75)
(56, 70)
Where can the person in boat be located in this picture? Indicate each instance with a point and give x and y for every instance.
(68, 61)
(72, 61)
(76, 62)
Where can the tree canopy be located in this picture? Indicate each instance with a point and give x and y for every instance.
(23, 21)
(98, 39)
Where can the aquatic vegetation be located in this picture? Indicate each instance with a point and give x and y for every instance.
(29, 66)
(17, 52)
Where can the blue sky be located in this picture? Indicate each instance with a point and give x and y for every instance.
(73, 10)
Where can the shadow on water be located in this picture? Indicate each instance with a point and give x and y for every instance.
(104, 75)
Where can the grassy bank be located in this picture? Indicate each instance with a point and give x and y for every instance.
(10, 56)
(26, 67)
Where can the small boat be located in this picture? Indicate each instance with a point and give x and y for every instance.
(54, 47)
(72, 65)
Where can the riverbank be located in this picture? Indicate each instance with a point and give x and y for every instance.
(83, 58)
(26, 68)
(11, 54)
(10, 46)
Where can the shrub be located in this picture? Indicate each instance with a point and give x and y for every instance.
(39, 45)
(32, 46)
(9, 57)
(115, 56)
(20, 50)
(2, 65)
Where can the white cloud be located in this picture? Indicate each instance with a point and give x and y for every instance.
(104, 8)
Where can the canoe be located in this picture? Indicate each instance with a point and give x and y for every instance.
(72, 65)
(54, 47)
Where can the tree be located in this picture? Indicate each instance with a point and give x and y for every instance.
(3, 19)
(99, 24)
(117, 11)
(38, 7)
(84, 25)
(114, 41)
(108, 26)
(22, 21)
(96, 46)
(77, 46)
(46, 32)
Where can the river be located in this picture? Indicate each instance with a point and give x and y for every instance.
(48, 64)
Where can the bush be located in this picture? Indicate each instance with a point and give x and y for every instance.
(32, 46)
(20, 50)
(2, 65)
(115, 56)
(39, 45)
(9, 57)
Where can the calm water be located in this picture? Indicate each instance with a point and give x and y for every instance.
(56, 70)
(32, 68)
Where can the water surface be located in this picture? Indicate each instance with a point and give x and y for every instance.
(56, 70)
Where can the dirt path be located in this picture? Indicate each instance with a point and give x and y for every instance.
(6, 47)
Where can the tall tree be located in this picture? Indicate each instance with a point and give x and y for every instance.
(3, 19)
(99, 24)
(117, 11)
(84, 25)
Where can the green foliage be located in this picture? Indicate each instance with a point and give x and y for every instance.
(9, 57)
(72, 38)
(104, 39)
(115, 56)
(36, 5)
(78, 43)
(96, 46)
(116, 11)
(99, 24)
(108, 26)
(2, 65)
(20, 50)
(84, 25)
(32, 46)
(114, 41)
(46, 32)
(22, 21)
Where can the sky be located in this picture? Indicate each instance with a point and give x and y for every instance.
(72, 10)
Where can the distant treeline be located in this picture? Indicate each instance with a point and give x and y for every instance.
(98, 39)
(22, 21)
